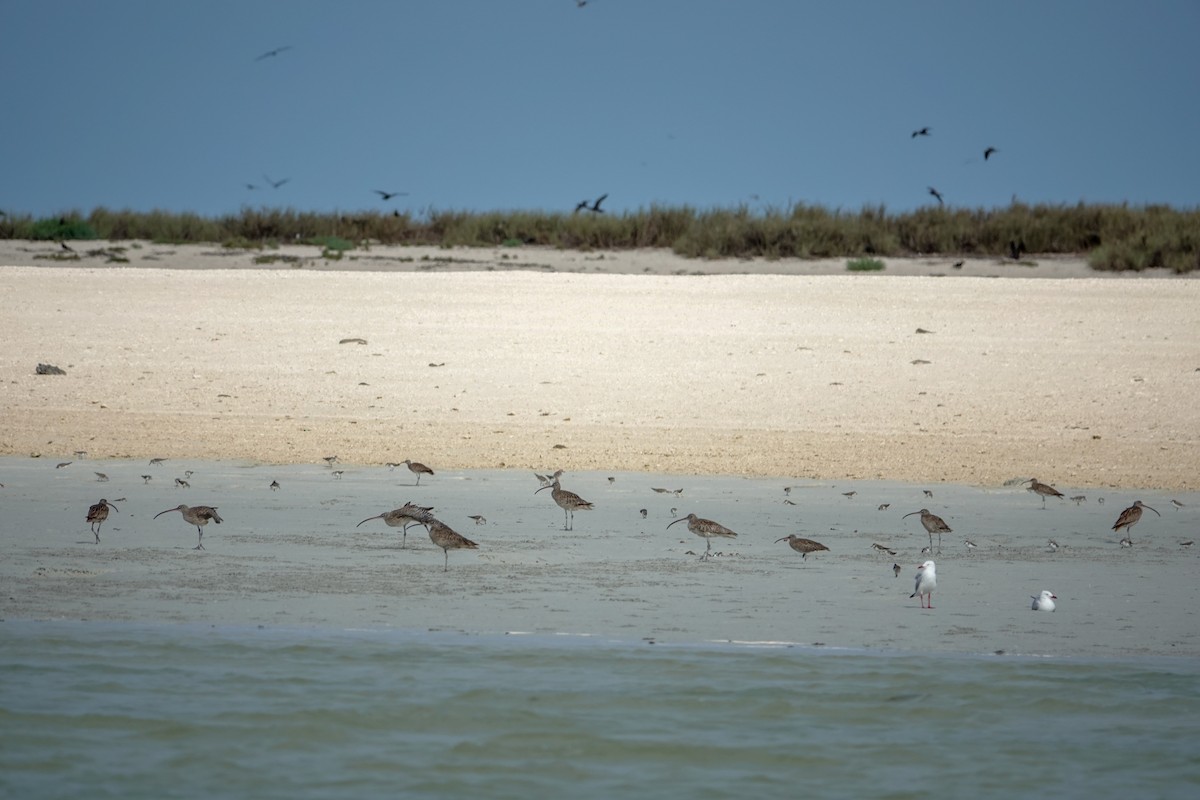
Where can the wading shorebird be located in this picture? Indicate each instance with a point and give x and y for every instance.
(1129, 517)
(933, 524)
(569, 502)
(925, 583)
(97, 514)
(707, 529)
(1041, 489)
(883, 548)
(196, 515)
(418, 469)
(405, 517)
(448, 539)
(801, 545)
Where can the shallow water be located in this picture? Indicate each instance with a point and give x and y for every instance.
(297, 557)
(129, 710)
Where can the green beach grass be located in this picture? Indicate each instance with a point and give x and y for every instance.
(1114, 237)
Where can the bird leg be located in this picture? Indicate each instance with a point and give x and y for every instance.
(446, 564)
(199, 539)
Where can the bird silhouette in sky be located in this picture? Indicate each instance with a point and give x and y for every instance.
(920, 132)
(275, 52)
(936, 194)
(594, 207)
(275, 184)
(988, 153)
(389, 195)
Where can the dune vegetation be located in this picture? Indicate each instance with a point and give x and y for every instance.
(1114, 237)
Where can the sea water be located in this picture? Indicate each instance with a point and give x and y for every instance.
(110, 709)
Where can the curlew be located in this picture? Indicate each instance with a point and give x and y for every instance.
(195, 515)
(933, 524)
(925, 583)
(97, 514)
(1039, 488)
(448, 539)
(404, 517)
(707, 529)
(801, 545)
(417, 469)
(569, 502)
(1129, 517)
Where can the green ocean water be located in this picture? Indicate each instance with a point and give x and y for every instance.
(101, 710)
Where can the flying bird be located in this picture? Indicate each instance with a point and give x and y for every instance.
(275, 52)
(920, 132)
(275, 184)
(1043, 602)
(925, 583)
(594, 207)
(389, 195)
(937, 194)
(986, 155)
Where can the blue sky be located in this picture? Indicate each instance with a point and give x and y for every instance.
(537, 104)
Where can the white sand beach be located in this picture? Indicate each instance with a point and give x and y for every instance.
(581, 361)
